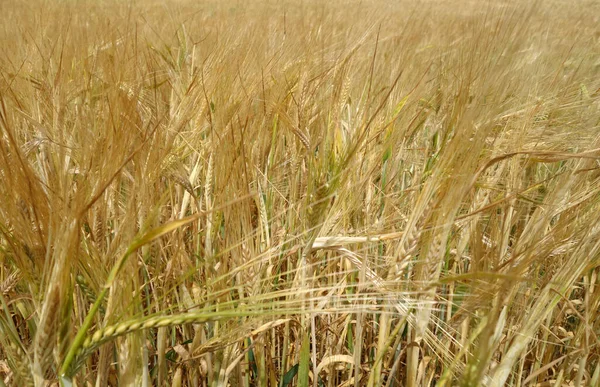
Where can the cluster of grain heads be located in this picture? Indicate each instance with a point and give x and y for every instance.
(303, 193)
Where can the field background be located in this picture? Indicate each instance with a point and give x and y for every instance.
(307, 193)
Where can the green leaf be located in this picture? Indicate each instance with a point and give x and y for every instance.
(304, 361)
(289, 376)
(252, 361)
(387, 154)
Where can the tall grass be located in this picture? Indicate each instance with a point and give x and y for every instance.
(299, 193)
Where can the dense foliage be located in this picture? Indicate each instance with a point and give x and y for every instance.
(344, 193)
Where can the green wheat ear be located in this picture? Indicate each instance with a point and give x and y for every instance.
(150, 236)
(106, 334)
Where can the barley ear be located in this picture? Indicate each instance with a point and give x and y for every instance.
(46, 335)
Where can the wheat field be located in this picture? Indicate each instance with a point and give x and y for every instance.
(299, 193)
